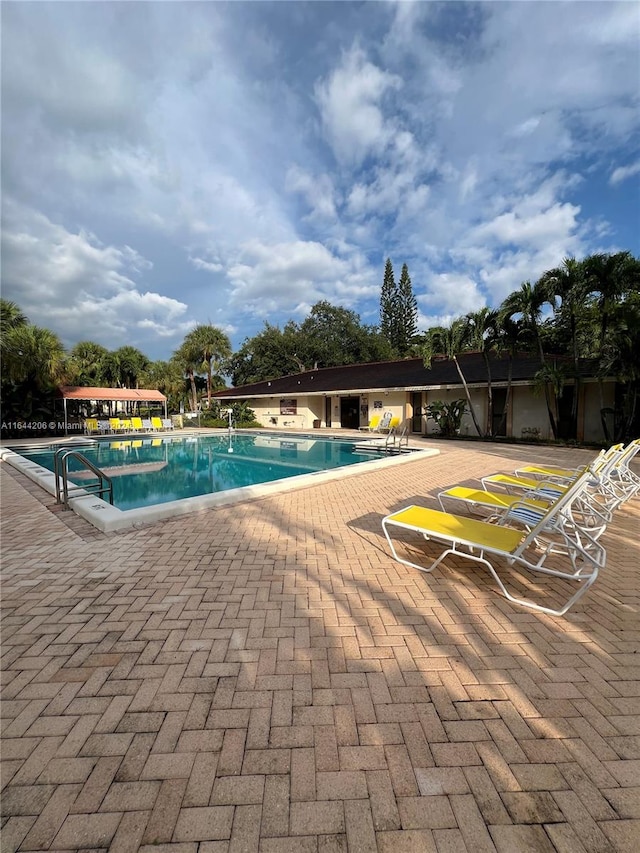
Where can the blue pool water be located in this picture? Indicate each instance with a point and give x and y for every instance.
(151, 471)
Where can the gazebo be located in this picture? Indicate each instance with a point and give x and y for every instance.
(110, 395)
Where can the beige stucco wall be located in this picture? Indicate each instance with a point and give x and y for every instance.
(267, 412)
(591, 424)
(478, 400)
(392, 401)
(528, 410)
(311, 408)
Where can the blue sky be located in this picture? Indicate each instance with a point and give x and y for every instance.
(167, 164)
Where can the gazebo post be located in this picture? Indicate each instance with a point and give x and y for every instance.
(64, 403)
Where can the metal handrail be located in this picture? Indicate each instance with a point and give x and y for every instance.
(61, 472)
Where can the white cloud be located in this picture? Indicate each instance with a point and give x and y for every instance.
(285, 157)
(85, 288)
(290, 277)
(317, 190)
(209, 266)
(349, 102)
(622, 173)
(282, 275)
(450, 295)
(534, 230)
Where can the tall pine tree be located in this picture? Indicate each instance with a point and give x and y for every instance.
(388, 303)
(398, 310)
(407, 314)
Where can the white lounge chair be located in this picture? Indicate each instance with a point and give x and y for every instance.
(384, 422)
(553, 538)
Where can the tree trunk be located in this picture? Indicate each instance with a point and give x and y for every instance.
(489, 431)
(507, 399)
(603, 417)
(466, 391)
(630, 415)
(194, 392)
(547, 391)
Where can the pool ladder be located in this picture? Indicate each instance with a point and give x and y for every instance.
(61, 472)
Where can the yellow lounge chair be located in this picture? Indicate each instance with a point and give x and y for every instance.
(611, 484)
(372, 425)
(156, 423)
(497, 503)
(383, 423)
(136, 424)
(527, 510)
(538, 471)
(91, 426)
(392, 424)
(116, 425)
(554, 536)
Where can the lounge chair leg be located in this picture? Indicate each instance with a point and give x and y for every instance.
(585, 582)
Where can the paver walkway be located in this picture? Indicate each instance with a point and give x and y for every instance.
(266, 678)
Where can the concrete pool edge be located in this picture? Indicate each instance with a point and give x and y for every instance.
(109, 519)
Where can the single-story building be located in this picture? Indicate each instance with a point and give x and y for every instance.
(349, 396)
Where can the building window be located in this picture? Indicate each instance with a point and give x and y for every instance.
(288, 407)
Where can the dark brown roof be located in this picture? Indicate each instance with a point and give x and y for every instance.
(408, 373)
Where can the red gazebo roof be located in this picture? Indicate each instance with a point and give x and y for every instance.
(141, 395)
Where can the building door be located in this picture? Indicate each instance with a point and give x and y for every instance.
(416, 405)
(499, 427)
(327, 411)
(350, 412)
(565, 404)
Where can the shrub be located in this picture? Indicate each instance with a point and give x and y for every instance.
(241, 418)
(447, 416)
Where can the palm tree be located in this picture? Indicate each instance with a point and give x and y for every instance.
(11, 315)
(567, 282)
(482, 333)
(204, 348)
(86, 362)
(620, 359)
(168, 377)
(528, 302)
(508, 337)
(552, 376)
(111, 369)
(132, 363)
(33, 354)
(450, 341)
(189, 365)
(33, 363)
(611, 277)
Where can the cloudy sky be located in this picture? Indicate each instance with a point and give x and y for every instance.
(166, 164)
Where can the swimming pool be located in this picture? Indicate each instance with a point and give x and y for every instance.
(153, 471)
(159, 477)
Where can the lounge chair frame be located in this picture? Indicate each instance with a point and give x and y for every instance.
(554, 534)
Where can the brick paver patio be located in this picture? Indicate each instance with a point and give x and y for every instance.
(266, 678)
